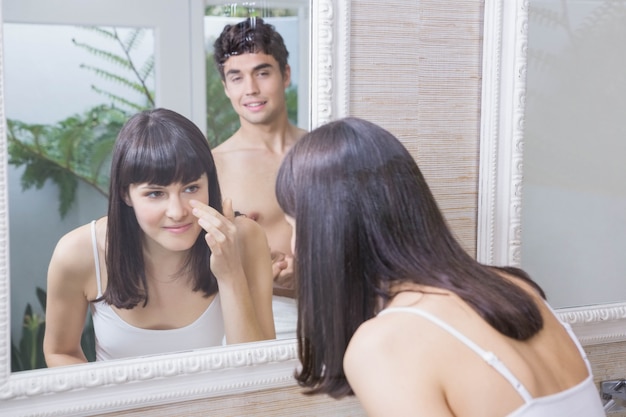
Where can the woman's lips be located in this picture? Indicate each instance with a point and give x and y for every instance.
(178, 229)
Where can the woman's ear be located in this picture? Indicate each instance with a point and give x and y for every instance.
(127, 199)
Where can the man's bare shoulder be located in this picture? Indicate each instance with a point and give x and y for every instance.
(229, 145)
(299, 132)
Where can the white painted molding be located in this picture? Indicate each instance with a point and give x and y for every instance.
(122, 385)
(5, 290)
(501, 162)
(330, 60)
(605, 323)
(100, 387)
(500, 178)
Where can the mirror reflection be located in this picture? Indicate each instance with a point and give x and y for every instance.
(59, 150)
(574, 199)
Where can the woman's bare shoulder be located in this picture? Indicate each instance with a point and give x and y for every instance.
(73, 254)
(386, 360)
(399, 333)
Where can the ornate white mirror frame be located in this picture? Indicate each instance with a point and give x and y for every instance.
(149, 381)
(501, 164)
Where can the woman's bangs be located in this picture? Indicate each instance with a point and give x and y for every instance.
(165, 161)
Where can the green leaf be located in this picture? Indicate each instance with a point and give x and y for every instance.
(88, 340)
(41, 296)
(16, 359)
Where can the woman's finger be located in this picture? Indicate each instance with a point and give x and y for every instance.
(227, 208)
(209, 216)
(201, 209)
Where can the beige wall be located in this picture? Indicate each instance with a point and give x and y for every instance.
(416, 70)
(287, 402)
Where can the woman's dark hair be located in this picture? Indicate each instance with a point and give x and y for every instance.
(250, 36)
(366, 219)
(159, 147)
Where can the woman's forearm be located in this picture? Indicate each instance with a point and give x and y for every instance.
(241, 324)
(64, 359)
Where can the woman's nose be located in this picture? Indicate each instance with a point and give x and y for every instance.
(176, 208)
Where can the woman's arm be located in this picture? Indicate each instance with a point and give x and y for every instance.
(66, 303)
(257, 265)
(240, 307)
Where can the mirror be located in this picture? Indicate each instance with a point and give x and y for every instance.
(77, 58)
(504, 132)
(574, 198)
(124, 384)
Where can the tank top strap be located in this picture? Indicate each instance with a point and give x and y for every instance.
(96, 258)
(487, 356)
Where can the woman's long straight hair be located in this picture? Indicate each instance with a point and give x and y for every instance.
(366, 219)
(159, 147)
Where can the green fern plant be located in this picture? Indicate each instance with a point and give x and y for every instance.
(78, 148)
(133, 77)
(75, 149)
(28, 354)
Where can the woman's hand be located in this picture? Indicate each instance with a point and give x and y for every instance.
(282, 271)
(221, 236)
(246, 303)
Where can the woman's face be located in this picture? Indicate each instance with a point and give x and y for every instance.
(164, 214)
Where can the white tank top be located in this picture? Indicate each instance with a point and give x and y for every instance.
(117, 339)
(581, 400)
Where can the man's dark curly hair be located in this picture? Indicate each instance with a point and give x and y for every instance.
(252, 35)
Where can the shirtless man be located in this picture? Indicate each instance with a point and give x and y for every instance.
(252, 59)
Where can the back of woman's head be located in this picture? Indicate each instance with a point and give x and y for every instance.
(355, 177)
(158, 147)
(361, 207)
(365, 219)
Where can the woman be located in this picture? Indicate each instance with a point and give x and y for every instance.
(392, 309)
(166, 269)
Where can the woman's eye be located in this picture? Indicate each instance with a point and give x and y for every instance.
(192, 188)
(154, 194)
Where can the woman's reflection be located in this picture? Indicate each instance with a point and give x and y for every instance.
(167, 269)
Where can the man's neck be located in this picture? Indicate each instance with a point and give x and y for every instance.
(275, 138)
